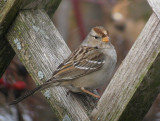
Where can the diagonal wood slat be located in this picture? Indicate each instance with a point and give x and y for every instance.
(136, 78)
(131, 91)
(40, 47)
(155, 5)
(8, 12)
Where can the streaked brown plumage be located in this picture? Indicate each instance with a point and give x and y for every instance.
(69, 68)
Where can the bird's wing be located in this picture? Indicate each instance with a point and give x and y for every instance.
(82, 61)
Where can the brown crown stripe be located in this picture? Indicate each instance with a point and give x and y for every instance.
(99, 31)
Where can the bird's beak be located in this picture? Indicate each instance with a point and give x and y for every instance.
(105, 39)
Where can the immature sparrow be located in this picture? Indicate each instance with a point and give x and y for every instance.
(88, 67)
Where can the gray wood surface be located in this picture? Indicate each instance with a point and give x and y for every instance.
(132, 89)
(48, 5)
(41, 48)
(8, 11)
(155, 5)
(129, 79)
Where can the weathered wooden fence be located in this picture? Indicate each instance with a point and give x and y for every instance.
(34, 38)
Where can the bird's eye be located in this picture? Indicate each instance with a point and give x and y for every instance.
(96, 37)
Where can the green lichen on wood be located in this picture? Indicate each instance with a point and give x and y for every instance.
(142, 100)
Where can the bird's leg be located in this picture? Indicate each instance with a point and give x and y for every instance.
(90, 93)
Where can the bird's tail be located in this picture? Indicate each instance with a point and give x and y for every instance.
(31, 92)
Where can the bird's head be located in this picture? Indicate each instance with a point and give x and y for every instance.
(98, 37)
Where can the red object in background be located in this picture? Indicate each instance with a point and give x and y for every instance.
(79, 19)
(5, 84)
(19, 85)
(1, 81)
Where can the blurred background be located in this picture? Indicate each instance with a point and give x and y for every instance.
(124, 19)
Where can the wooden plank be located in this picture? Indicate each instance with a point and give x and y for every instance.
(9, 8)
(49, 6)
(155, 5)
(40, 47)
(150, 86)
(8, 11)
(129, 79)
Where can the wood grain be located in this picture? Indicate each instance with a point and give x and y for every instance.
(49, 6)
(8, 12)
(130, 76)
(41, 48)
(155, 5)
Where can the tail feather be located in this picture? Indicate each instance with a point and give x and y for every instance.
(28, 93)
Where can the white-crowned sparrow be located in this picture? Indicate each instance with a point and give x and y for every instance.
(88, 67)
